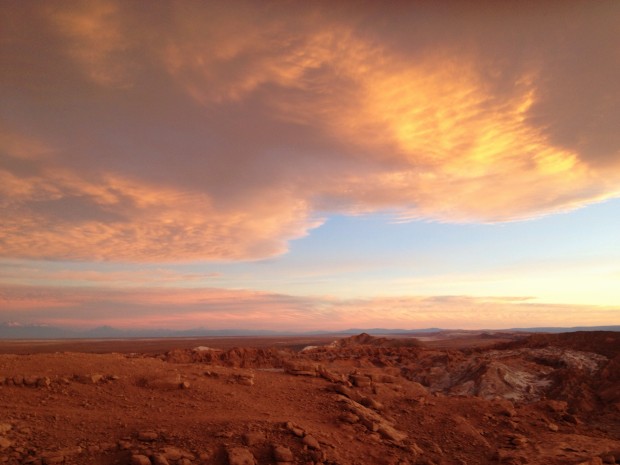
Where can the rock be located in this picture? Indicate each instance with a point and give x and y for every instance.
(160, 459)
(147, 435)
(138, 459)
(311, 442)
(253, 437)
(506, 408)
(90, 379)
(328, 375)
(608, 458)
(592, 461)
(245, 379)
(318, 456)
(282, 454)
(124, 445)
(371, 403)
(373, 421)
(518, 440)
(296, 430)
(53, 459)
(240, 456)
(302, 369)
(5, 428)
(360, 380)
(347, 392)
(5, 443)
(383, 378)
(570, 419)
(553, 427)
(557, 406)
(30, 381)
(172, 453)
(167, 382)
(389, 432)
(349, 417)
(44, 382)
(18, 380)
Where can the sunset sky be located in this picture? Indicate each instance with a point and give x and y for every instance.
(300, 166)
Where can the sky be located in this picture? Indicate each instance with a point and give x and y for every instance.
(305, 166)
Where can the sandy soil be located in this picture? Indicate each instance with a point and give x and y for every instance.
(361, 400)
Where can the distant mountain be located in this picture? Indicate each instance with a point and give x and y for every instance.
(15, 330)
(12, 330)
(553, 329)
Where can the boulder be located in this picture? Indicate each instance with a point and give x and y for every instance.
(240, 456)
(282, 454)
(138, 459)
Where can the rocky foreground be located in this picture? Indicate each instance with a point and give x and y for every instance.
(549, 399)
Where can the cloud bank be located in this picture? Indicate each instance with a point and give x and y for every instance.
(213, 308)
(197, 131)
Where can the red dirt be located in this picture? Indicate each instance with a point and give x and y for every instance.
(364, 400)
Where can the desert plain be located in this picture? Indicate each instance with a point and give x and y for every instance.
(489, 398)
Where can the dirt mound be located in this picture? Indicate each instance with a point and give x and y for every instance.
(365, 339)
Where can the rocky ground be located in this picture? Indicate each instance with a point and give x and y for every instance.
(546, 399)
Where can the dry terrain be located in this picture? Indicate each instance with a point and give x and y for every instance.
(485, 399)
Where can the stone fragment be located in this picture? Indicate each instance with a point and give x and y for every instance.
(147, 435)
(173, 453)
(282, 454)
(349, 417)
(383, 378)
(160, 459)
(5, 443)
(240, 456)
(90, 378)
(18, 380)
(557, 406)
(371, 403)
(253, 437)
(302, 369)
(318, 456)
(245, 379)
(592, 461)
(311, 442)
(360, 380)
(374, 421)
(138, 459)
(165, 383)
(53, 459)
(5, 428)
(506, 408)
(30, 381)
(44, 382)
(347, 392)
(296, 430)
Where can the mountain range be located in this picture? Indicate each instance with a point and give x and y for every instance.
(14, 330)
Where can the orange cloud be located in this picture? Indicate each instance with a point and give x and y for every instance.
(208, 132)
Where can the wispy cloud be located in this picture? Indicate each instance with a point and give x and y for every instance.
(225, 308)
